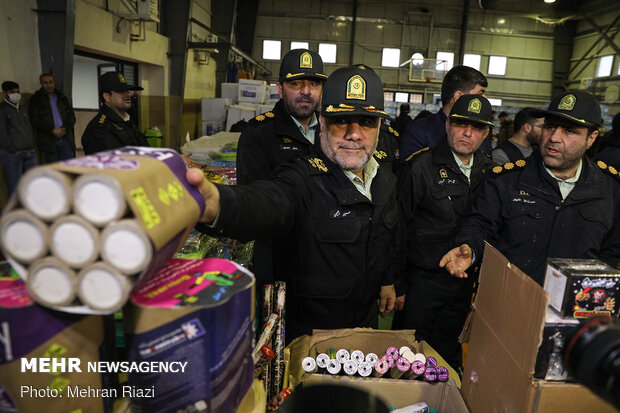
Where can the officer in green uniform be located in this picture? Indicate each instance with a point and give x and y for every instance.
(112, 127)
(334, 213)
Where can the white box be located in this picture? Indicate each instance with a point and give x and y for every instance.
(231, 91)
(252, 91)
(263, 109)
(272, 94)
(212, 126)
(215, 108)
(237, 113)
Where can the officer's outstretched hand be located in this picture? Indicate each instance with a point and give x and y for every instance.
(457, 260)
(209, 192)
(387, 298)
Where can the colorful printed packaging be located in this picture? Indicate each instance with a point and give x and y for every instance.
(583, 288)
(199, 312)
(32, 332)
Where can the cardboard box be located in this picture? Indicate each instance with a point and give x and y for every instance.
(252, 91)
(238, 112)
(395, 392)
(214, 109)
(504, 336)
(583, 288)
(272, 96)
(231, 91)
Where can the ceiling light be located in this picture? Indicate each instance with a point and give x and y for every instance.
(549, 1)
(501, 21)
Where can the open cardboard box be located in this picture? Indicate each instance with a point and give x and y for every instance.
(445, 397)
(504, 335)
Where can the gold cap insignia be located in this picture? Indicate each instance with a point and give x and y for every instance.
(305, 60)
(567, 102)
(260, 118)
(474, 106)
(443, 173)
(508, 166)
(520, 163)
(318, 164)
(602, 165)
(612, 170)
(356, 88)
(269, 114)
(497, 169)
(380, 154)
(121, 78)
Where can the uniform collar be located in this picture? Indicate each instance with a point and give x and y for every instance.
(285, 125)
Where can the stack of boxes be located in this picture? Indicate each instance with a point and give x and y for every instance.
(239, 101)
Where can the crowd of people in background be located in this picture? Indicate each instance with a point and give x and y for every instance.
(361, 214)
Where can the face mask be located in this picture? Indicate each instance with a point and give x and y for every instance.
(14, 98)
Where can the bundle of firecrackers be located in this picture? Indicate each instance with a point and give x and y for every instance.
(396, 363)
(269, 350)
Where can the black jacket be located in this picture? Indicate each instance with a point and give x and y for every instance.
(337, 245)
(271, 140)
(521, 212)
(43, 120)
(108, 131)
(434, 193)
(15, 129)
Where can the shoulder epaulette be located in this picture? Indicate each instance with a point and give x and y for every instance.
(259, 119)
(393, 131)
(317, 164)
(102, 118)
(508, 166)
(608, 169)
(417, 153)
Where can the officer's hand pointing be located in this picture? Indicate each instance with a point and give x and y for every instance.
(209, 192)
(457, 260)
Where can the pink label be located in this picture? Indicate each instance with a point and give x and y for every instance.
(13, 293)
(186, 282)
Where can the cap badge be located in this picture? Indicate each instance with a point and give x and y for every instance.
(474, 106)
(121, 78)
(443, 173)
(567, 102)
(356, 88)
(305, 60)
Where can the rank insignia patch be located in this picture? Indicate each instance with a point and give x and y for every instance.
(443, 173)
(567, 102)
(318, 164)
(356, 88)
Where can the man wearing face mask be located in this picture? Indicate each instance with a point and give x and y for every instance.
(16, 139)
(112, 127)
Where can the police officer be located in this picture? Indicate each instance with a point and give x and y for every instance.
(334, 210)
(112, 127)
(435, 191)
(556, 203)
(288, 131)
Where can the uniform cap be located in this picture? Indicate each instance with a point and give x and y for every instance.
(475, 108)
(578, 106)
(353, 91)
(301, 64)
(115, 82)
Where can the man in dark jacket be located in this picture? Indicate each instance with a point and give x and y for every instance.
(556, 203)
(334, 210)
(52, 120)
(419, 134)
(112, 127)
(436, 190)
(17, 153)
